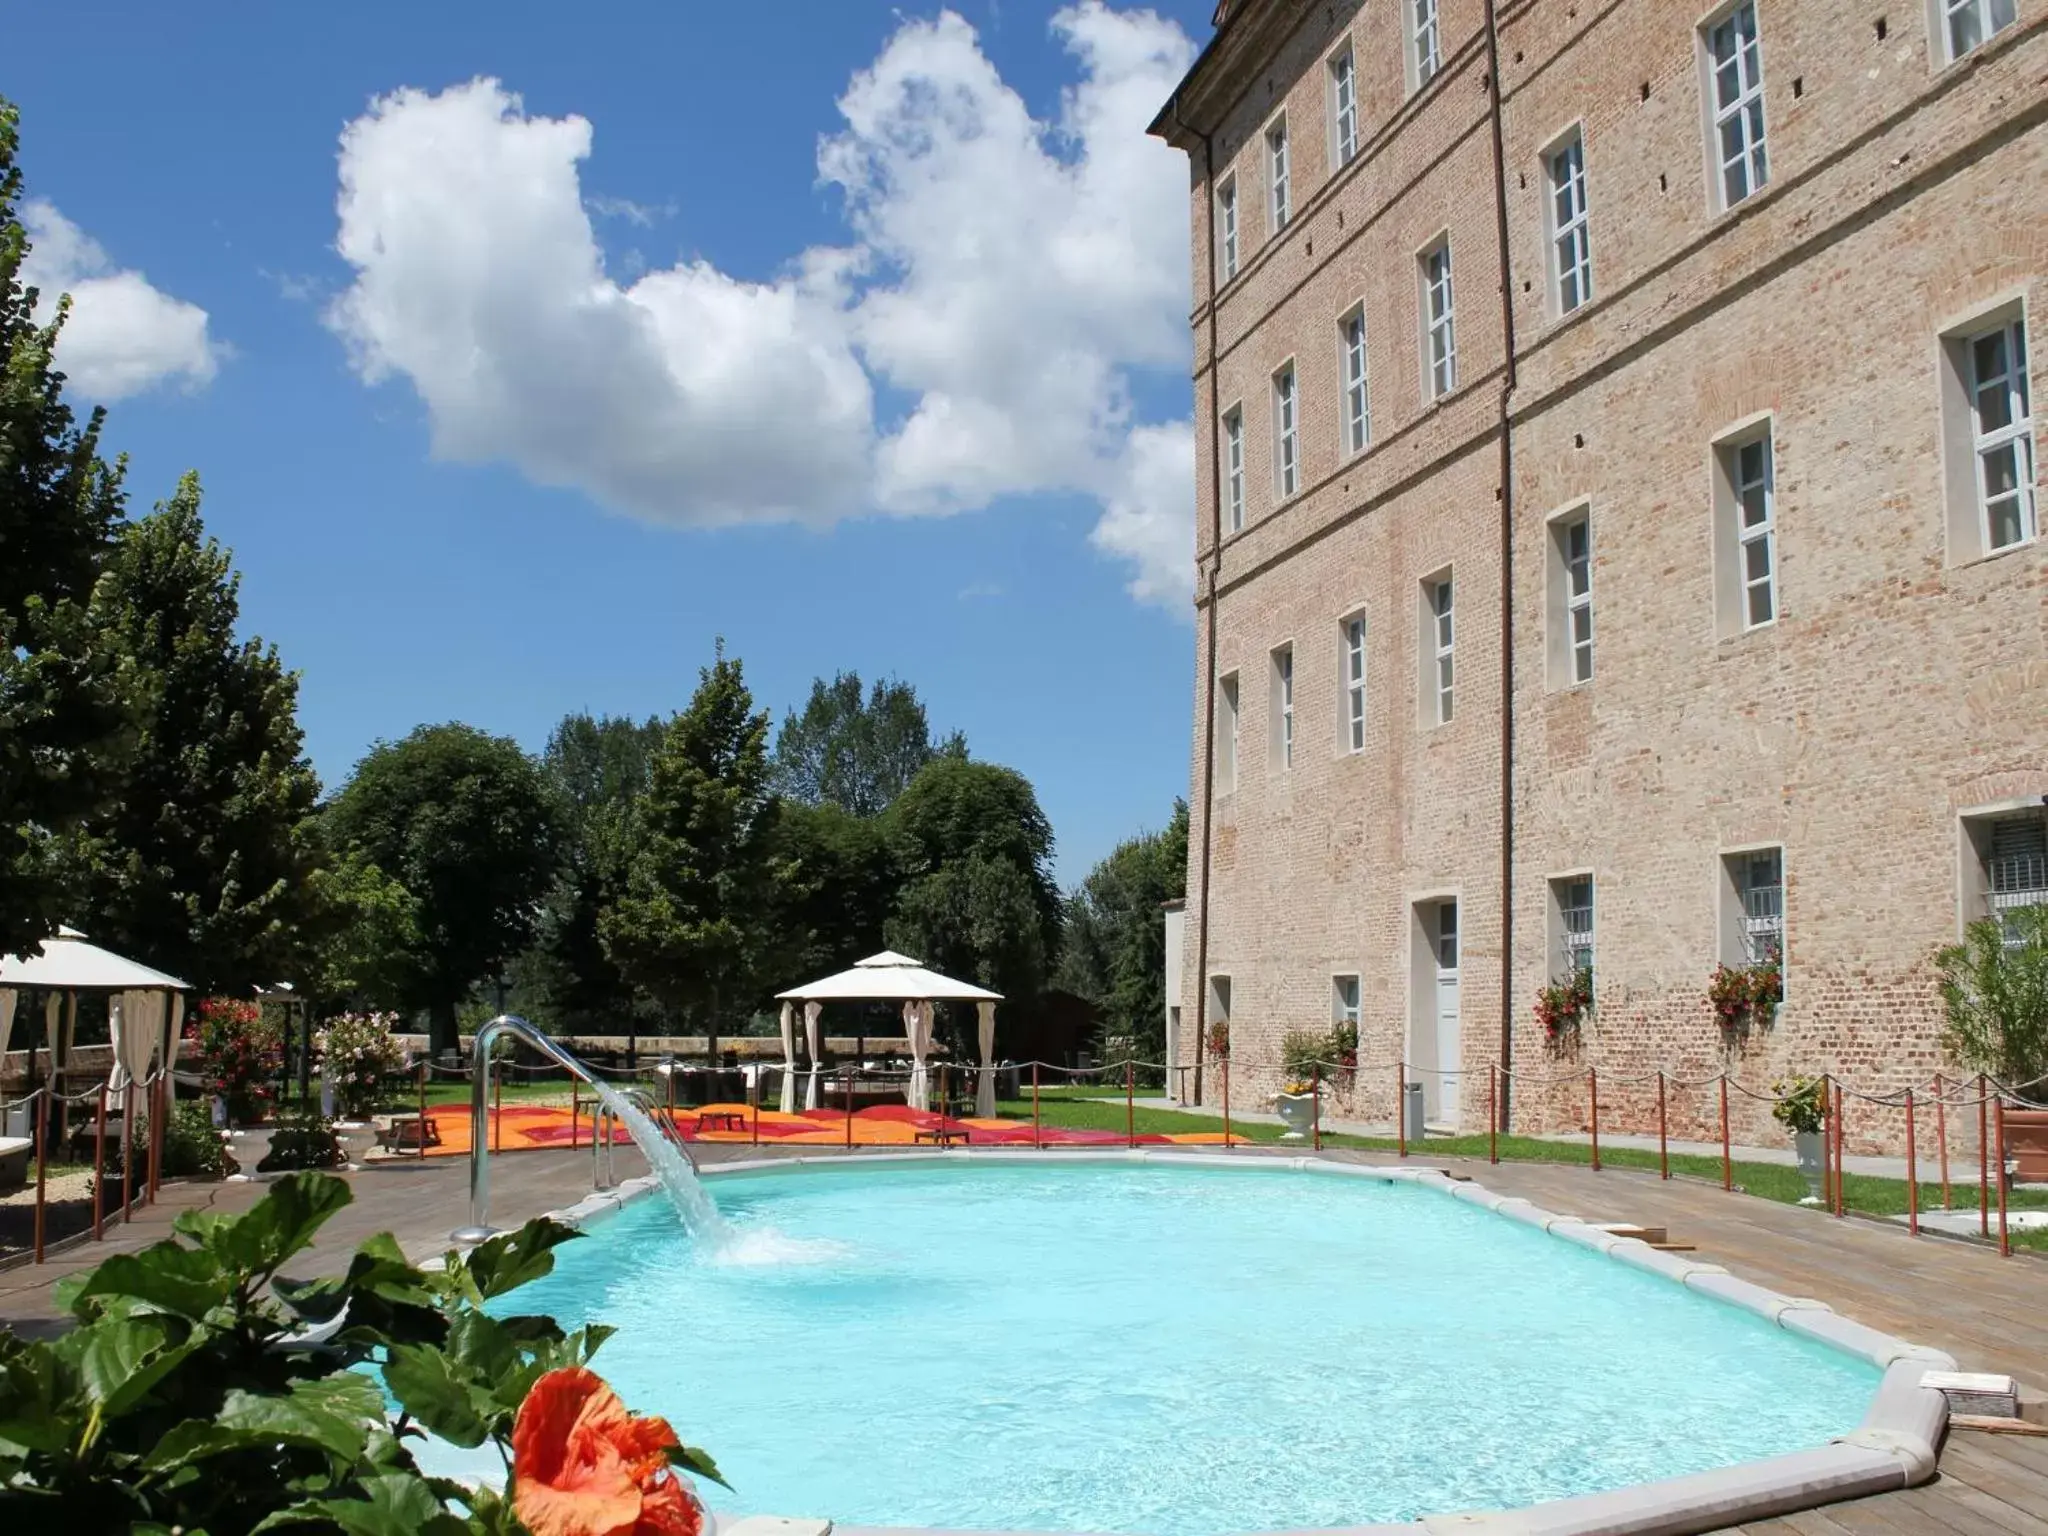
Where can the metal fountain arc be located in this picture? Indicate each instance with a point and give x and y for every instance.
(481, 1078)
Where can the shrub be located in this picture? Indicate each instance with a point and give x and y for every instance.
(241, 1054)
(1745, 995)
(357, 1052)
(305, 1140)
(192, 1148)
(186, 1397)
(1304, 1055)
(1562, 1005)
(1801, 1106)
(1994, 989)
(1219, 1039)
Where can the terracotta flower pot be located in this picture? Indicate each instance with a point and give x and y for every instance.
(2026, 1145)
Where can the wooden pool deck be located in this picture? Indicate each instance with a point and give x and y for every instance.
(1990, 1313)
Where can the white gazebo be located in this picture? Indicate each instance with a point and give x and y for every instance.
(887, 978)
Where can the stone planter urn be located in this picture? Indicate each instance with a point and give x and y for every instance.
(1808, 1145)
(1298, 1114)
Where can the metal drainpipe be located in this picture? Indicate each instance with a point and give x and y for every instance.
(1209, 650)
(1507, 591)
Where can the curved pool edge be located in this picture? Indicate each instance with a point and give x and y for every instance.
(1896, 1446)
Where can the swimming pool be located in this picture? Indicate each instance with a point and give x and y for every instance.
(1178, 1350)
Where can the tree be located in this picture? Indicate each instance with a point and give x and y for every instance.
(1115, 942)
(836, 882)
(978, 899)
(598, 769)
(858, 753)
(366, 937)
(465, 825)
(1994, 988)
(202, 866)
(63, 699)
(694, 925)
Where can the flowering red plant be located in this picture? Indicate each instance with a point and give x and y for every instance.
(241, 1054)
(583, 1466)
(1746, 994)
(1562, 1005)
(1219, 1039)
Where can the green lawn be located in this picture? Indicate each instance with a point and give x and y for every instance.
(1767, 1181)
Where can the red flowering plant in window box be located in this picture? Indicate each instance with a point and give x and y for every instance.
(1562, 1006)
(1219, 1040)
(240, 1053)
(1742, 995)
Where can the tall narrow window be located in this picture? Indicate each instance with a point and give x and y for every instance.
(1283, 707)
(1571, 254)
(1437, 710)
(2002, 427)
(1286, 434)
(1756, 526)
(1344, 1000)
(1353, 660)
(1226, 230)
(1760, 886)
(1226, 734)
(1736, 62)
(1438, 319)
(1575, 551)
(1343, 108)
(1574, 897)
(1423, 39)
(1970, 22)
(1276, 174)
(2016, 869)
(1233, 470)
(1357, 400)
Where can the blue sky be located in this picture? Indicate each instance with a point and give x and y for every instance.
(858, 339)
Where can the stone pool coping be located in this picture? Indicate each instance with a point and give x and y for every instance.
(1894, 1447)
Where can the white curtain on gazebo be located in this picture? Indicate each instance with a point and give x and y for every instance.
(135, 1019)
(917, 1024)
(176, 1037)
(985, 1095)
(788, 1058)
(6, 1017)
(813, 1039)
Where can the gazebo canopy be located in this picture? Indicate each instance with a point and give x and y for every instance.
(67, 963)
(889, 977)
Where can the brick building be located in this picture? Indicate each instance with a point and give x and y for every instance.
(1750, 660)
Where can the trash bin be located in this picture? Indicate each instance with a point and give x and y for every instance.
(1411, 1111)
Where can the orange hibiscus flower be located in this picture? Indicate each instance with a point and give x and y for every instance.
(583, 1466)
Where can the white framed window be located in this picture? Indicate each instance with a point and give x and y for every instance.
(1439, 320)
(1735, 71)
(1344, 1000)
(1219, 1001)
(1438, 650)
(1233, 470)
(1226, 230)
(1571, 599)
(1572, 906)
(1280, 204)
(1424, 54)
(1357, 392)
(2013, 849)
(1286, 434)
(1746, 530)
(1343, 107)
(1968, 23)
(2002, 435)
(1351, 664)
(1282, 746)
(1754, 933)
(1226, 733)
(1571, 253)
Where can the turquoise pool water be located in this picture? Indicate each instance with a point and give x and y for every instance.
(1080, 1347)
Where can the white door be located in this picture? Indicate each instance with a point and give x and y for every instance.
(1448, 1055)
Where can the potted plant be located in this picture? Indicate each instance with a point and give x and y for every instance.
(241, 1054)
(1994, 991)
(1802, 1110)
(1219, 1039)
(1745, 995)
(1301, 1060)
(1562, 1006)
(357, 1052)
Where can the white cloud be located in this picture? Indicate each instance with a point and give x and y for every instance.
(122, 335)
(1008, 278)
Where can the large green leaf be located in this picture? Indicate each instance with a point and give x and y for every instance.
(164, 1277)
(37, 1411)
(509, 1260)
(393, 1504)
(122, 1361)
(279, 1225)
(330, 1413)
(435, 1389)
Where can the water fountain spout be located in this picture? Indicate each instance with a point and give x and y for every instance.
(651, 1128)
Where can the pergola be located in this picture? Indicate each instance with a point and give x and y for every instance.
(888, 978)
(145, 1007)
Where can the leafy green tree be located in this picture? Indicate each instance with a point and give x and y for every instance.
(978, 899)
(694, 926)
(855, 751)
(836, 882)
(466, 826)
(63, 699)
(202, 865)
(366, 937)
(598, 769)
(1994, 988)
(1115, 943)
